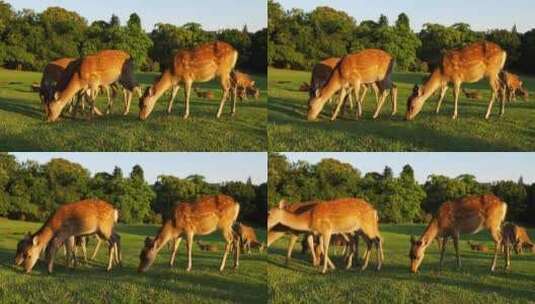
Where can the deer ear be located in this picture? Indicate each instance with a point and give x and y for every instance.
(35, 240)
(282, 204)
(151, 91)
(316, 92)
(252, 83)
(56, 95)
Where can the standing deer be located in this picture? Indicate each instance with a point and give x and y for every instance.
(365, 67)
(203, 217)
(248, 238)
(201, 64)
(467, 65)
(348, 215)
(511, 84)
(91, 72)
(466, 215)
(77, 219)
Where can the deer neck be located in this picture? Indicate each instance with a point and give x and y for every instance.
(430, 233)
(68, 93)
(433, 83)
(44, 236)
(332, 86)
(163, 84)
(165, 234)
(299, 222)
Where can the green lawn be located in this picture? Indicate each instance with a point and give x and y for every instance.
(473, 283)
(22, 127)
(288, 129)
(161, 284)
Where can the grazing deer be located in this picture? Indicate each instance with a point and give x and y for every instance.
(365, 67)
(248, 238)
(206, 247)
(511, 84)
(279, 230)
(348, 215)
(320, 75)
(475, 94)
(91, 72)
(478, 247)
(201, 64)
(248, 92)
(242, 83)
(469, 214)
(203, 217)
(206, 94)
(518, 238)
(467, 65)
(77, 219)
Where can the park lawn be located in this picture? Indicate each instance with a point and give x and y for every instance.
(288, 129)
(300, 282)
(90, 283)
(22, 127)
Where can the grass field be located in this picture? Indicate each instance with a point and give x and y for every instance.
(288, 129)
(22, 127)
(473, 283)
(90, 283)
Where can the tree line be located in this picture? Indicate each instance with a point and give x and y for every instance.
(398, 199)
(32, 191)
(299, 39)
(29, 40)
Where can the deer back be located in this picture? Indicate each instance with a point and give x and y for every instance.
(473, 62)
(370, 65)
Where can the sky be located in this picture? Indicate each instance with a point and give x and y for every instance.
(212, 14)
(481, 15)
(216, 167)
(486, 167)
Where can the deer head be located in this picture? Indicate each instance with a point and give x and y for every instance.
(28, 250)
(416, 253)
(414, 102)
(276, 214)
(148, 255)
(315, 106)
(146, 103)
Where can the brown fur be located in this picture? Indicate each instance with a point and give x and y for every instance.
(200, 64)
(466, 215)
(467, 65)
(346, 215)
(204, 94)
(77, 219)
(511, 85)
(475, 94)
(517, 237)
(365, 67)
(202, 217)
(248, 238)
(243, 85)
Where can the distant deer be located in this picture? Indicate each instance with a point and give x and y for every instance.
(91, 72)
(242, 83)
(203, 217)
(279, 230)
(365, 67)
(466, 215)
(518, 238)
(347, 215)
(204, 94)
(511, 85)
(478, 247)
(206, 247)
(77, 219)
(467, 65)
(475, 94)
(201, 64)
(248, 238)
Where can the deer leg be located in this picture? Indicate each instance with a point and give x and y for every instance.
(97, 247)
(234, 93)
(441, 98)
(382, 99)
(315, 258)
(325, 239)
(236, 245)
(225, 86)
(367, 253)
(497, 238)
(494, 83)
(273, 236)
(174, 91)
(394, 97)
(53, 246)
(456, 245)
(291, 244)
(187, 90)
(227, 235)
(110, 100)
(175, 250)
(442, 251)
(456, 92)
(127, 98)
(342, 96)
(189, 247)
(380, 254)
(84, 249)
(508, 252)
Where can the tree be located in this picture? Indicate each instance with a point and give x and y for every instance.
(515, 196)
(137, 173)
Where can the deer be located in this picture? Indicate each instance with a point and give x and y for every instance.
(202, 217)
(279, 230)
(242, 82)
(88, 74)
(466, 65)
(86, 217)
(204, 94)
(364, 67)
(248, 92)
(467, 215)
(511, 84)
(478, 247)
(346, 215)
(206, 247)
(475, 94)
(518, 238)
(200, 64)
(248, 238)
